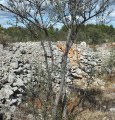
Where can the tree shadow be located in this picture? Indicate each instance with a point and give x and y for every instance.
(89, 98)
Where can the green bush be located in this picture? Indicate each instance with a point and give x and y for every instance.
(92, 34)
(4, 39)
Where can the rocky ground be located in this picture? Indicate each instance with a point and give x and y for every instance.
(85, 68)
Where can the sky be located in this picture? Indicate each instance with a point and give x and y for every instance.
(6, 19)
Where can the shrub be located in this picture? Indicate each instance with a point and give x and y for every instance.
(4, 39)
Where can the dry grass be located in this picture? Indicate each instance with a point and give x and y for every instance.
(95, 115)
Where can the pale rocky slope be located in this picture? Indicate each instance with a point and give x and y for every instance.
(18, 62)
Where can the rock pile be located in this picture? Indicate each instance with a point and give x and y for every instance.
(14, 74)
(83, 66)
(18, 62)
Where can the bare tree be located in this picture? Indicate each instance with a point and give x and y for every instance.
(72, 14)
(36, 13)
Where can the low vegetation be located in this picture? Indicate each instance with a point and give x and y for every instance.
(92, 34)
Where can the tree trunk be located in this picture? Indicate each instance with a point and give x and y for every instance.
(63, 73)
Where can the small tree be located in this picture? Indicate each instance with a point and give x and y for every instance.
(73, 14)
(36, 13)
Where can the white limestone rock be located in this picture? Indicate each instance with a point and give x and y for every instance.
(77, 75)
(14, 65)
(30, 117)
(13, 101)
(12, 109)
(6, 92)
(22, 50)
(83, 45)
(19, 82)
(112, 109)
(15, 88)
(29, 75)
(78, 71)
(11, 77)
(68, 80)
(1, 47)
(27, 66)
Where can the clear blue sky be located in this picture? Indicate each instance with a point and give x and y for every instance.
(6, 18)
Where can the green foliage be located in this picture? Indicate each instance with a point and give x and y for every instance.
(18, 34)
(4, 39)
(92, 34)
(1, 29)
(95, 35)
